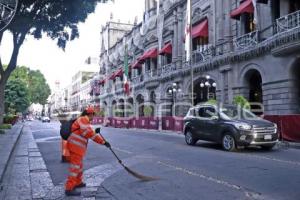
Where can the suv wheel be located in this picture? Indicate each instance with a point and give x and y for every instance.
(189, 139)
(228, 142)
(268, 147)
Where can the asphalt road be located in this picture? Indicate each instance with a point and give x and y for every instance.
(186, 172)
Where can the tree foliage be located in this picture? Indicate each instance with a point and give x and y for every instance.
(35, 82)
(241, 101)
(57, 19)
(16, 96)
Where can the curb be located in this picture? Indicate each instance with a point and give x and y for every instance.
(294, 145)
(11, 149)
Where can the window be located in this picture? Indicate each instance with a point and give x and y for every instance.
(248, 19)
(191, 113)
(207, 112)
(154, 61)
(200, 43)
(294, 5)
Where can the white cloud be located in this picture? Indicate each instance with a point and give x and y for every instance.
(56, 64)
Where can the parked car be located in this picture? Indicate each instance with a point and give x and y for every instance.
(45, 119)
(230, 126)
(30, 118)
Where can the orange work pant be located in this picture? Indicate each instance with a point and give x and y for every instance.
(65, 150)
(75, 171)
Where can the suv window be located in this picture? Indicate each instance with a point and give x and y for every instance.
(191, 113)
(206, 112)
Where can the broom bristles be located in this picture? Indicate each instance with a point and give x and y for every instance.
(139, 176)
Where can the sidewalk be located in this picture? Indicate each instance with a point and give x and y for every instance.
(7, 145)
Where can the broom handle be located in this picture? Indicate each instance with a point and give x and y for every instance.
(120, 161)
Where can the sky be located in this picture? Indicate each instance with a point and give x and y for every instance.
(57, 65)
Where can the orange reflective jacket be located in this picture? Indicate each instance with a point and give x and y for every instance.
(81, 132)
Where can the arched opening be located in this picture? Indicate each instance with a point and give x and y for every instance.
(152, 102)
(114, 107)
(296, 83)
(204, 90)
(129, 107)
(140, 104)
(255, 95)
(121, 106)
(103, 109)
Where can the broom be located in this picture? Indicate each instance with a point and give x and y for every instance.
(130, 171)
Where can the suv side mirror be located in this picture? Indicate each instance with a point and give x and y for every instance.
(97, 130)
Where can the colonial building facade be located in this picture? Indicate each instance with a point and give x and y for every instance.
(248, 48)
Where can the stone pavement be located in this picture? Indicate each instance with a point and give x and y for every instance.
(7, 144)
(27, 177)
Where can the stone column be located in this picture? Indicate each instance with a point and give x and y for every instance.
(175, 37)
(231, 77)
(180, 44)
(222, 87)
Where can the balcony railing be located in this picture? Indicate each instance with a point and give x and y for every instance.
(166, 69)
(288, 22)
(203, 55)
(137, 79)
(246, 41)
(151, 74)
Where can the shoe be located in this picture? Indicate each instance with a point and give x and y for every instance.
(72, 193)
(81, 185)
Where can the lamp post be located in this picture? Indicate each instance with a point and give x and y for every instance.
(208, 83)
(173, 91)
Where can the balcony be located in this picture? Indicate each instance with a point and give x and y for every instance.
(204, 54)
(137, 79)
(246, 41)
(167, 69)
(150, 74)
(288, 22)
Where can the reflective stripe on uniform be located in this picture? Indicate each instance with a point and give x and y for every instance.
(94, 136)
(84, 133)
(83, 125)
(77, 143)
(73, 174)
(79, 137)
(75, 166)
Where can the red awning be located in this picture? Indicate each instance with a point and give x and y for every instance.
(112, 76)
(119, 73)
(136, 64)
(245, 7)
(200, 30)
(102, 82)
(152, 53)
(167, 49)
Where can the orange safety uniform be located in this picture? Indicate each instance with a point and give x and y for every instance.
(65, 151)
(77, 145)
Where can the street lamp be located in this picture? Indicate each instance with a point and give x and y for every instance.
(207, 84)
(173, 91)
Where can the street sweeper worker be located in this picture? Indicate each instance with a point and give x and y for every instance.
(77, 145)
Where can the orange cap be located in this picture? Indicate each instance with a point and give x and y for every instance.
(90, 110)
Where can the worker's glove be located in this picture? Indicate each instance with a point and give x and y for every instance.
(107, 144)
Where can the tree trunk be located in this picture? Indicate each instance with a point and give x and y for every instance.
(18, 40)
(2, 86)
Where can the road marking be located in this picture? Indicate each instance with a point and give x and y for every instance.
(122, 150)
(47, 138)
(250, 194)
(275, 159)
(45, 129)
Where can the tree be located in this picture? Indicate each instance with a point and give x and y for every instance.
(16, 96)
(241, 101)
(35, 82)
(58, 19)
